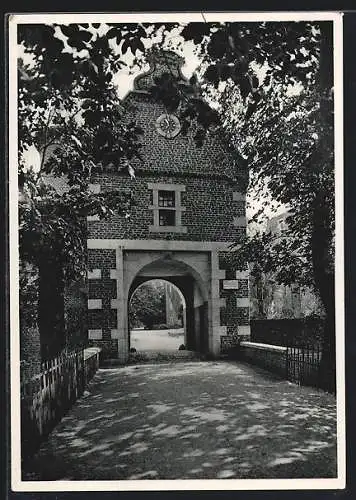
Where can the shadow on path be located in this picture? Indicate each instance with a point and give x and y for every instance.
(194, 420)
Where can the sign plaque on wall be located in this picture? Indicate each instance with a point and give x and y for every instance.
(230, 284)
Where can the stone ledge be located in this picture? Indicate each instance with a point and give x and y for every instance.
(242, 275)
(238, 196)
(244, 330)
(114, 334)
(91, 351)
(175, 208)
(114, 274)
(95, 304)
(231, 285)
(174, 245)
(168, 229)
(263, 347)
(240, 221)
(242, 302)
(94, 274)
(160, 186)
(95, 334)
(93, 218)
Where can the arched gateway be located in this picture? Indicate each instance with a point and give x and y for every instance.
(183, 271)
(190, 206)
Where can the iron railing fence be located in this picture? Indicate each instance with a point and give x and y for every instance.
(301, 364)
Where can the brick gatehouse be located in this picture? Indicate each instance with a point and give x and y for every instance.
(190, 206)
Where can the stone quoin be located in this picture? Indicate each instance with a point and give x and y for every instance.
(189, 208)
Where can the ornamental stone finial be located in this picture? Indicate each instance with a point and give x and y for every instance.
(160, 62)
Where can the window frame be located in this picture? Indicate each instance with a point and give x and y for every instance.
(167, 200)
(177, 208)
(171, 213)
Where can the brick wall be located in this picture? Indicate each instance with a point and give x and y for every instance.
(235, 315)
(270, 357)
(179, 155)
(30, 342)
(30, 352)
(209, 210)
(104, 288)
(210, 173)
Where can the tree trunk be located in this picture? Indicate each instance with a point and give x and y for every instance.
(322, 232)
(323, 270)
(51, 310)
(259, 287)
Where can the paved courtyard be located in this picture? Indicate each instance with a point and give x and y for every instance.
(163, 340)
(191, 420)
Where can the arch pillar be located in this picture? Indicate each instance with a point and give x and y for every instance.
(121, 308)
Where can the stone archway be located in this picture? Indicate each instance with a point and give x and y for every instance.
(189, 282)
(218, 309)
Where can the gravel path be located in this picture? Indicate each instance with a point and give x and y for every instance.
(163, 340)
(191, 420)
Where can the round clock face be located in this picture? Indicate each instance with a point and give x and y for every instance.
(168, 125)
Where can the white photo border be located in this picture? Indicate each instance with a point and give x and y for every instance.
(17, 484)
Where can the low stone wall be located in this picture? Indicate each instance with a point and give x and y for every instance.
(91, 363)
(47, 396)
(271, 357)
(301, 366)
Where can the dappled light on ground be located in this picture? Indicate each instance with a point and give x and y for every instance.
(193, 420)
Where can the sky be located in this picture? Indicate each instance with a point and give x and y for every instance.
(124, 78)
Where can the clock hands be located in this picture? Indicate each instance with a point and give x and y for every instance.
(168, 125)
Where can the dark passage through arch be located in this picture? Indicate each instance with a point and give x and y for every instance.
(157, 316)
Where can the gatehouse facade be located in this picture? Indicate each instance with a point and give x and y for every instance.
(189, 208)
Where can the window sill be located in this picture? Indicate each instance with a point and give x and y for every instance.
(168, 229)
(158, 207)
